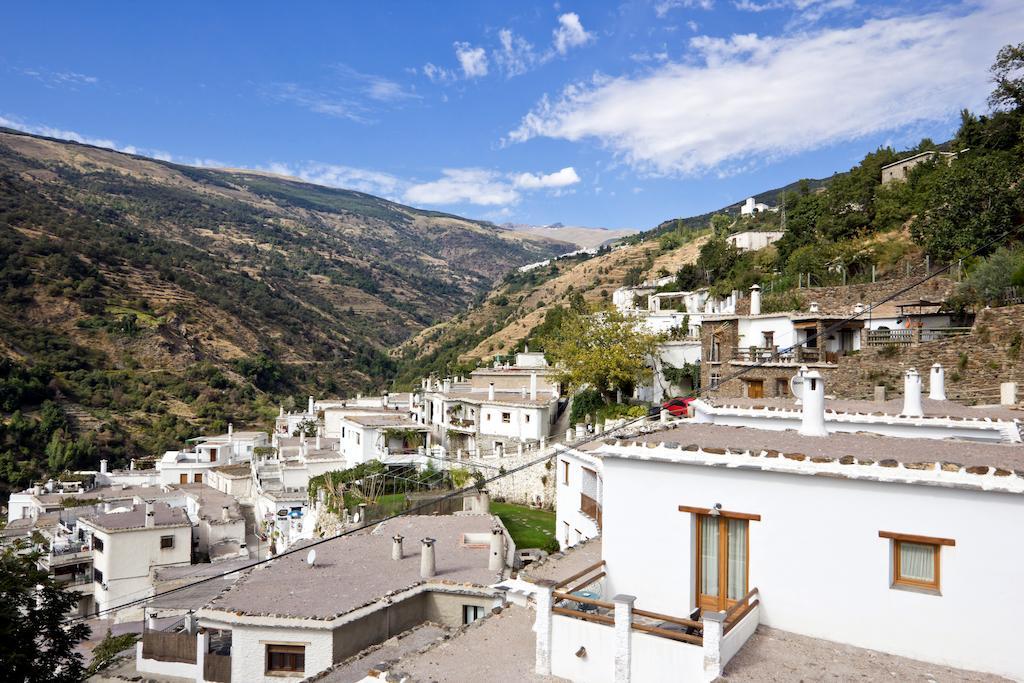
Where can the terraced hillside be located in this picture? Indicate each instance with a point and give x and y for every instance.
(162, 299)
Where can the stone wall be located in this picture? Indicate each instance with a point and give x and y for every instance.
(975, 363)
(532, 486)
(841, 299)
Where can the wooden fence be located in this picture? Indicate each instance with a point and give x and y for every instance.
(169, 647)
(217, 668)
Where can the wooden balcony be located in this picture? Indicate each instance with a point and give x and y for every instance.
(798, 355)
(591, 508)
(912, 336)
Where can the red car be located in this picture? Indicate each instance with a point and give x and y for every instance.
(678, 407)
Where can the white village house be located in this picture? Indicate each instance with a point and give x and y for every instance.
(864, 527)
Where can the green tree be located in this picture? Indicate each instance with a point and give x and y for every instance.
(721, 223)
(37, 643)
(1008, 76)
(975, 199)
(605, 351)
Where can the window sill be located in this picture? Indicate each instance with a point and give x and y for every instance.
(915, 589)
(285, 674)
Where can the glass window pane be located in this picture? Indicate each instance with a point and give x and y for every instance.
(709, 555)
(737, 559)
(917, 562)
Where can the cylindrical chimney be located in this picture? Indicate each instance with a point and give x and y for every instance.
(310, 411)
(496, 561)
(937, 383)
(103, 466)
(447, 385)
(225, 514)
(912, 394)
(533, 386)
(427, 566)
(755, 299)
(490, 392)
(231, 430)
(396, 547)
(813, 422)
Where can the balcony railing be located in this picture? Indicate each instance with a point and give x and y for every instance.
(795, 356)
(909, 336)
(591, 508)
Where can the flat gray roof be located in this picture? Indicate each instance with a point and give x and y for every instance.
(211, 502)
(165, 516)
(890, 407)
(860, 446)
(774, 655)
(357, 570)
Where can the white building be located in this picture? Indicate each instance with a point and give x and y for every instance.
(293, 619)
(391, 438)
(752, 206)
(192, 465)
(857, 536)
(499, 407)
(217, 522)
(752, 240)
(127, 545)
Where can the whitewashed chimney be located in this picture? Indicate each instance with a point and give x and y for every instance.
(318, 440)
(396, 547)
(483, 501)
(496, 560)
(427, 565)
(490, 392)
(225, 514)
(150, 516)
(937, 383)
(814, 308)
(912, 394)
(755, 299)
(813, 422)
(533, 386)
(103, 466)
(231, 430)
(447, 385)
(858, 309)
(280, 410)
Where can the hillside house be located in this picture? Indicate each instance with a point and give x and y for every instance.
(746, 509)
(192, 465)
(752, 240)
(217, 523)
(751, 206)
(899, 170)
(498, 408)
(293, 619)
(127, 545)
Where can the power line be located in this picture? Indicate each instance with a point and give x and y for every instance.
(548, 455)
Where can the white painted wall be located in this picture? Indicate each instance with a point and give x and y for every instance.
(525, 424)
(127, 557)
(653, 657)
(751, 331)
(568, 635)
(248, 651)
(818, 561)
(571, 525)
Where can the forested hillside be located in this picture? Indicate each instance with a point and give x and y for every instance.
(149, 301)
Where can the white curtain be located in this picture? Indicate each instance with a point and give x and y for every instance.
(709, 555)
(737, 559)
(917, 561)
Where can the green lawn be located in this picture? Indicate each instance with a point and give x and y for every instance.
(530, 528)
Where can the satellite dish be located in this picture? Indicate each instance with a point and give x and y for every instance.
(311, 557)
(796, 383)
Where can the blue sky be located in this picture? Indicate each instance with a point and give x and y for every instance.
(618, 114)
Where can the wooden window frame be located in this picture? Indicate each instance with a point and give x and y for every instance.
(166, 542)
(97, 544)
(284, 649)
(197, 478)
(565, 472)
(699, 512)
(898, 580)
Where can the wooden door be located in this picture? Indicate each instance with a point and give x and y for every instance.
(755, 388)
(722, 562)
(198, 478)
(182, 478)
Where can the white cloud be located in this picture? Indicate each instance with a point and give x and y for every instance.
(665, 6)
(336, 175)
(485, 187)
(808, 11)
(53, 79)
(438, 74)
(464, 186)
(534, 181)
(570, 33)
(749, 98)
(473, 60)
(318, 101)
(516, 55)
